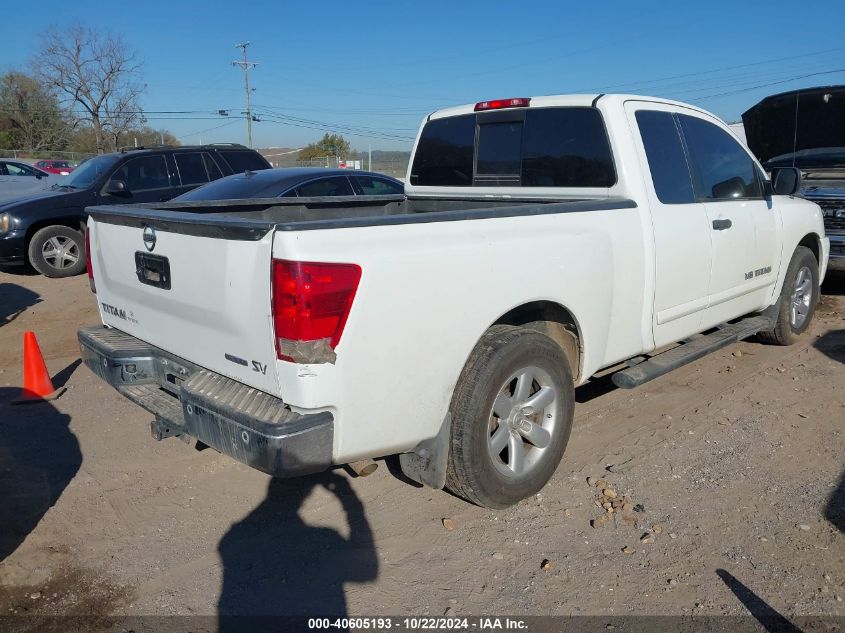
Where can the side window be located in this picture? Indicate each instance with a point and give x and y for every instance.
(337, 186)
(191, 168)
(3, 170)
(666, 159)
(143, 173)
(721, 168)
(371, 186)
(213, 169)
(445, 152)
(243, 160)
(19, 170)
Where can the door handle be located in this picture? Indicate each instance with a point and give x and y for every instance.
(721, 225)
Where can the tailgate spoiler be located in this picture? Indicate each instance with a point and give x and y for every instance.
(248, 219)
(220, 226)
(252, 219)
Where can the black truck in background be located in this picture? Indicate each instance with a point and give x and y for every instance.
(806, 129)
(46, 229)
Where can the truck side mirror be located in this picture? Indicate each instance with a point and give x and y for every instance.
(786, 181)
(116, 188)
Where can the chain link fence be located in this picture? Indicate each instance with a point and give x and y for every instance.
(20, 154)
(395, 168)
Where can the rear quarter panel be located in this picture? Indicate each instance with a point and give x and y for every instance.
(429, 291)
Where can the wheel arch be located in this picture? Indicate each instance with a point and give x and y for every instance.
(814, 243)
(74, 222)
(556, 321)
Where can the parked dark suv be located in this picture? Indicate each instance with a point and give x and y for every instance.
(46, 229)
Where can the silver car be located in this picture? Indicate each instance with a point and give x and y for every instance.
(17, 179)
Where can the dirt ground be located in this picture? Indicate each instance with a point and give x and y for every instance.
(736, 459)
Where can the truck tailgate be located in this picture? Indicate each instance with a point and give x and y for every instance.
(205, 297)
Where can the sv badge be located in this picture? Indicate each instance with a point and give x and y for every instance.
(256, 366)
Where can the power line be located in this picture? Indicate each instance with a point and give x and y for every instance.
(773, 83)
(335, 127)
(270, 110)
(330, 127)
(637, 84)
(216, 111)
(216, 127)
(246, 66)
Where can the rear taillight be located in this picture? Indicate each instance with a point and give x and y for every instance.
(311, 302)
(88, 262)
(500, 104)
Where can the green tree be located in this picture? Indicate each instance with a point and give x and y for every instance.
(329, 145)
(30, 116)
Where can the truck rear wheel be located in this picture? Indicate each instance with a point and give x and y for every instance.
(798, 299)
(57, 251)
(512, 413)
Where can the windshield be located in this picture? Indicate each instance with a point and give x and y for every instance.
(85, 175)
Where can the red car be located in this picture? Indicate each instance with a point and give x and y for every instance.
(61, 167)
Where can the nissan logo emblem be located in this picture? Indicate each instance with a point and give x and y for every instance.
(149, 238)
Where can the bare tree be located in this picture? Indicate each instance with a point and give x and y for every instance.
(122, 115)
(96, 72)
(35, 120)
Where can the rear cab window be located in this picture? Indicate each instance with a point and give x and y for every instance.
(444, 155)
(542, 147)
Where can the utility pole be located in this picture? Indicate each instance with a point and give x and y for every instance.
(246, 66)
(370, 157)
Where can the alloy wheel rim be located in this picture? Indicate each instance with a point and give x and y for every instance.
(522, 422)
(60, 252)
(802, 295)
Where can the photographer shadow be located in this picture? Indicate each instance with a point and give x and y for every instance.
(39, 456)
(275, 564)
(14, 300)
(832, 344)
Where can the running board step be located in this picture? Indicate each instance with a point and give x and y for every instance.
(665, 362)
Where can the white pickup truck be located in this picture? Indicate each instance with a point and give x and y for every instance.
(539, 241)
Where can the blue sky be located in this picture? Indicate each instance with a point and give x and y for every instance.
(375, 68)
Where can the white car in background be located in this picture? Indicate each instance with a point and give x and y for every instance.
(17, 179)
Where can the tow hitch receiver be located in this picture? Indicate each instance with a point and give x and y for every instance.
(162, 429)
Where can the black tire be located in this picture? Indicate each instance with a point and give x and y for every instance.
(473, 472)
(63, 263)
(786, 331)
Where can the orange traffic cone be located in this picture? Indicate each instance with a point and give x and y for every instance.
(37, 386)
